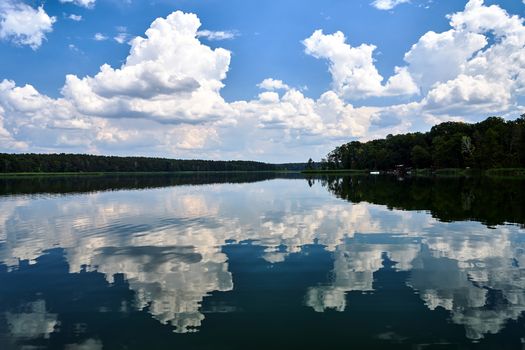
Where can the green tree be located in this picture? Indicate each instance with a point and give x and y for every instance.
(421, 158)
(491, 143)
(310, 165)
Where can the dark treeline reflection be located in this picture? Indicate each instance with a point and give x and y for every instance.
(489, 200)
(87, 183)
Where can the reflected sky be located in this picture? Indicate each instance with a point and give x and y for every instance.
(185, 262)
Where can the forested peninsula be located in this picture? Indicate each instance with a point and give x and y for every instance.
(492, 143)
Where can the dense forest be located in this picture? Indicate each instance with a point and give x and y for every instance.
(56, 163)
(492, 143)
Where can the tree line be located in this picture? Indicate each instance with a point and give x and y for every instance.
(492, 143)
(58, 163)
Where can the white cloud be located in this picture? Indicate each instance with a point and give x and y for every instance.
(387, 4)
(273, 84)
(121, 38)
(461, 70)
(401, 83)
(76, 18)
(7, 139)
(217, 35)
(305, 119)
(168, 76)
(479, 18)
(82, 3)
(73, 47)
(354, 74)
(474, 77)
(23, 24)
(466, 93)
(438, 57)
(100, 37)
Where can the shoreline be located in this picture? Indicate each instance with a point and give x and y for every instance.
(444, 172)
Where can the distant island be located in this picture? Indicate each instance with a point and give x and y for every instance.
(490, 144)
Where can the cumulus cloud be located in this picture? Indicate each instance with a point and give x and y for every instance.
(467, 92)
(7, 139)
(305, 120)
(438, 57)
(387, 4)
(217, 35)
(272, 84)
(82, 3)
(42, 122)
(76, 18)
(100, 37)
(475, 67)
(474, 77)
(23, 24)
(121, 38)
(168, 76)
(353, 71)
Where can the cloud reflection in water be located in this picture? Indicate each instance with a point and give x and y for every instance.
(169, 245)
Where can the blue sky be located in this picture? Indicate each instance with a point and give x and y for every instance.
(334, 89)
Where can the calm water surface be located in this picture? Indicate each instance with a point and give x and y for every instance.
(253, 261)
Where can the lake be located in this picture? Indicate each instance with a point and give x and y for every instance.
(261, 261)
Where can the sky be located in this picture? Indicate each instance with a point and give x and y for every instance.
(275, 81)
